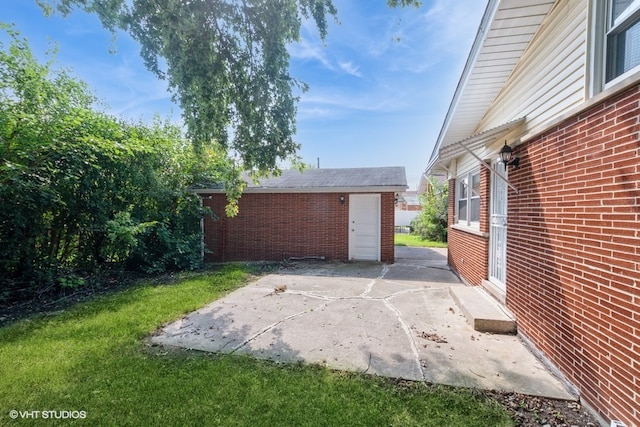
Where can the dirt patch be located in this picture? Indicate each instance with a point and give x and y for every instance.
(525, 410)
(538, 411)
(53, 302)
(433, 337)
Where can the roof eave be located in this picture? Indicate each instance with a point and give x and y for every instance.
(454, 128)
(468, 67)
(254, 190)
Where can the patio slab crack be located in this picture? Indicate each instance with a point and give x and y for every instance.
(383, 320)
(412, 342)
(275, 324)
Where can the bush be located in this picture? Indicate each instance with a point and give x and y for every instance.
(85, 193)
(431, 223)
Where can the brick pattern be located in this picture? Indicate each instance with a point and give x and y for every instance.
(485, 194)
(573, 252)
(387, 233)
(468, 253)
(451, 203)
(276, 226)
(404, 206)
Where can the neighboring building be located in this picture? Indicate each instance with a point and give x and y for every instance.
(424, 185)
(408, 201)
(556, 239)
(334, 214)
(407, 208)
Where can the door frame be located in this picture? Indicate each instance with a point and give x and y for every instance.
(497, 263)
(353, 200)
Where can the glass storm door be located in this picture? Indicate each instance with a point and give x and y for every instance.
(498, 229)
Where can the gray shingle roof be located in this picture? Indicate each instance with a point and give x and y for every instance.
(365, 180)
(350, 178)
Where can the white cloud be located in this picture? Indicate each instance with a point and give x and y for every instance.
(332, 102)
(307, 49)
(129, 90)
(420, 39)
(349, 68)
(447, 24)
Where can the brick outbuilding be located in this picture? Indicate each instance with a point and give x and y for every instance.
(333, 214)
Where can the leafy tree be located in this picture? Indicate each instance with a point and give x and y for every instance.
(83, 192)
(431, 223)
(226, 63)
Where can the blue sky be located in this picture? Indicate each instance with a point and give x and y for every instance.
(380, 84)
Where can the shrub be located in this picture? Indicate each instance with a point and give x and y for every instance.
(83, 192)
(431, 223)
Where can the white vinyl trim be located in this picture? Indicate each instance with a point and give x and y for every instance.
(396, 189)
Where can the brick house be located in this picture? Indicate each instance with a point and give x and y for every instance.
(333, 214)
(557, 238)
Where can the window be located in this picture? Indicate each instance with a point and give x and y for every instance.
(468, 199)
(623, 38)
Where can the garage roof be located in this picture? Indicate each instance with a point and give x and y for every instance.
(361, 180)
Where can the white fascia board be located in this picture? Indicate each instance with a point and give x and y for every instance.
(485, 25)
(394, 189)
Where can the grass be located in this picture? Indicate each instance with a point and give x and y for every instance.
(94, 357)
(412, 240)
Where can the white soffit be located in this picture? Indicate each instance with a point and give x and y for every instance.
(512, 26)
(477, 141)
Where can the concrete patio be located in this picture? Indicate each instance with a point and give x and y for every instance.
(395, 320)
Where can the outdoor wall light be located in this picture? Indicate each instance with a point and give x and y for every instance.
(506, 156)
(342, 199)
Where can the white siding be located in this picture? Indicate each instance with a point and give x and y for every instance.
(506, 31)
(404, 218)
(550, 78)
(466, 163)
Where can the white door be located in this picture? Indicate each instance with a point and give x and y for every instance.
(498, 229)
(364, 227)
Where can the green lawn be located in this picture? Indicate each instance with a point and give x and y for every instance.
(411, 240)
(95, 357)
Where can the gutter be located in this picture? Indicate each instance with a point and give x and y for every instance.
(379, 189)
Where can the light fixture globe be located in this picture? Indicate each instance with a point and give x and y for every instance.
(505, 154)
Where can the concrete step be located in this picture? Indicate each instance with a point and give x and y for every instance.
(482, 311)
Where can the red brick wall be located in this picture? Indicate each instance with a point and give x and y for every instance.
(451, 202)
(467, 255)
(387, 224)
(404, 206)
(485, 194)
(468, 252)
(275, 226)
(573, 252)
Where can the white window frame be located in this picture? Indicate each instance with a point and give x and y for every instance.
(612, 27)
(600, 28)
(467, 179)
